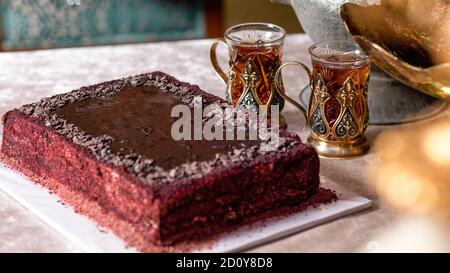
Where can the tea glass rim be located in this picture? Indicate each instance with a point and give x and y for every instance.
(269, 26)
(363, 57)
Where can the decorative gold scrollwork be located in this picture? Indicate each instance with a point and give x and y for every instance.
(317, 119)
(250, 78)
(275, 98)
(231, 77)
(346, 125)
(365, 106)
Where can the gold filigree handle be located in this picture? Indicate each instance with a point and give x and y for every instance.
(280, 88)
(215, 63)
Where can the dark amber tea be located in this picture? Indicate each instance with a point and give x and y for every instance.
(254, 57)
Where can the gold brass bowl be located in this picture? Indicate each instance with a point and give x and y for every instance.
(408, 39)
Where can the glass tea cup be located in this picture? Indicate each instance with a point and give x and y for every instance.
(255, 51)
(338, 112)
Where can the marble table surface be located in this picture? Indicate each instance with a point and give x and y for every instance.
(29, 76)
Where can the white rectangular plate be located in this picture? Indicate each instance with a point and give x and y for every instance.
(90, 238)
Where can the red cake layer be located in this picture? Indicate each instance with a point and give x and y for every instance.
(153, 203)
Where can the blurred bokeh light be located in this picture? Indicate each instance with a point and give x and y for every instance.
(413, 177)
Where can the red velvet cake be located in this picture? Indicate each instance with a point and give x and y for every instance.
(107, 150)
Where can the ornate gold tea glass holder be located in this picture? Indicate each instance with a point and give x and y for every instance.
(337, 112)
(254, 51)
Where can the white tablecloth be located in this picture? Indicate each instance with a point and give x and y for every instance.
(29, 76)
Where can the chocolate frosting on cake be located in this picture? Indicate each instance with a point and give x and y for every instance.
(104, 133)
(139, 120)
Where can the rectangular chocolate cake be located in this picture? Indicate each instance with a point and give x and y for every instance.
(107, 150)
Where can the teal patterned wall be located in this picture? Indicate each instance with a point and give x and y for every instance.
(29, 24)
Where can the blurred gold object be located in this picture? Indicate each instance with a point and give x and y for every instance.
(408, 39)
(413, 173)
